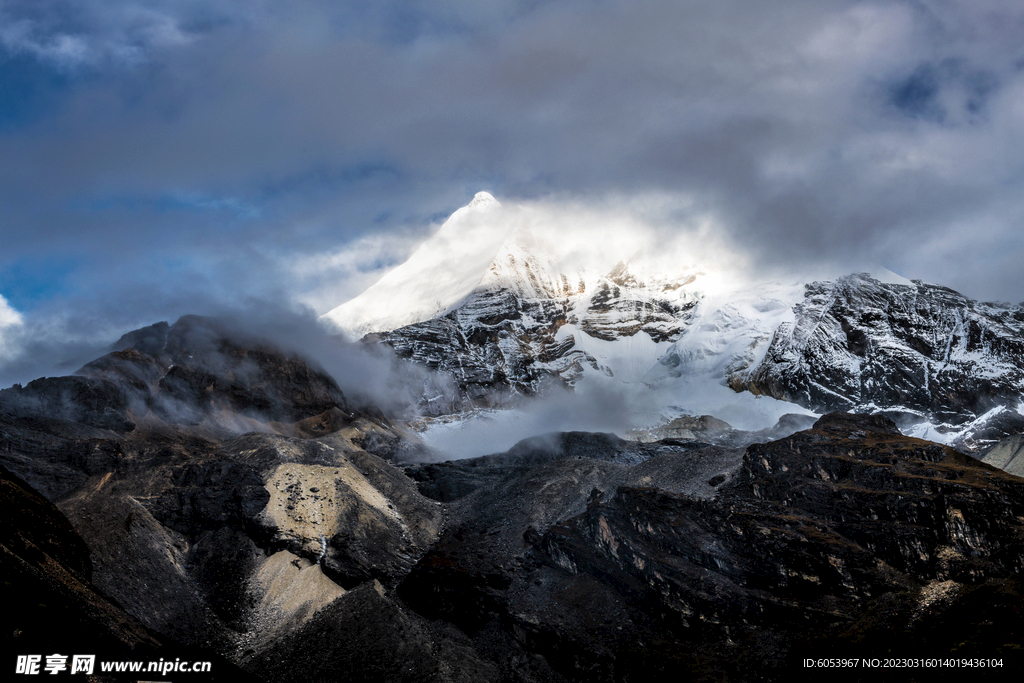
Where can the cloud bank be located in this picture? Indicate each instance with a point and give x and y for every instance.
(166, 157)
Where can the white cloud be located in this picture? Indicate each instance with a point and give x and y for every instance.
(325, 280)
(11, 324)
(863, 35)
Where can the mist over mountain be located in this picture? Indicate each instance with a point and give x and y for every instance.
(507, 305)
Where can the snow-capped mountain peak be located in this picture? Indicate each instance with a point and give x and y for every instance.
(445, 269)
(504, 303)
(482, 200)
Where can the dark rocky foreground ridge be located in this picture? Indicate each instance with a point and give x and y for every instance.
(318, 548)
(52, 606)
(844, 540)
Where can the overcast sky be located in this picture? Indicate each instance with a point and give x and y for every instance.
(159, 157)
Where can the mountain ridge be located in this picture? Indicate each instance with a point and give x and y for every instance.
(935, 360)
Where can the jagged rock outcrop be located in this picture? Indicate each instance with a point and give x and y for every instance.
(520, 329)
(914, 352)
(919, 353)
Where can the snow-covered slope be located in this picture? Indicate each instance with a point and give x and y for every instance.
(503, 311)
(443, 271)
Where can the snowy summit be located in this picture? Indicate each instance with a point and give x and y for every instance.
(445, 269)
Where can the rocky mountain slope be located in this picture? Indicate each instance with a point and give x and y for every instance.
(940, 363)
(324, 547)
(53, 606)
(514, 318)
(1007, 455)
(200, 372)
(210, 538)
(725, 564)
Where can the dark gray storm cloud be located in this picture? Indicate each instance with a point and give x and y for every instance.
(161, 155)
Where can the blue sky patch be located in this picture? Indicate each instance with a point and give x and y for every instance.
(30, 281)
(29, 90)
(947, 92)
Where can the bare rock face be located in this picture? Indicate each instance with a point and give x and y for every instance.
(85, 400)
(197, 372)
(207, 366)
(192, 538)
(1007, 455)
(369, 636)
(340, 507)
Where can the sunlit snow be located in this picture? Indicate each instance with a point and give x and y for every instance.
(443, 271)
